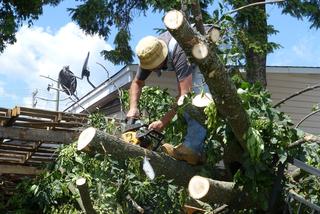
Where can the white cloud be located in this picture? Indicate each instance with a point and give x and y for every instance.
(40, 51)
(4, 93)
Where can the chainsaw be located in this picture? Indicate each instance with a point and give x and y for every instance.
(137, 133)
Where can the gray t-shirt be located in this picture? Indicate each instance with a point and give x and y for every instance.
(178, 61)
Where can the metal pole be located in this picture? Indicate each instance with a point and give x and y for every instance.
(34, 102)
(58, 96)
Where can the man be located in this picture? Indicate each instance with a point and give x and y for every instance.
(164, 54)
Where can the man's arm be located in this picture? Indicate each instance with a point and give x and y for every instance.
(134, 96)
(184, 87)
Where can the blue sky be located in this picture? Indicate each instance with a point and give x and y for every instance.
(54, 41)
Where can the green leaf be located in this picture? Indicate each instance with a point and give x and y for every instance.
(283, 157)
(79, 160)
(255, 144)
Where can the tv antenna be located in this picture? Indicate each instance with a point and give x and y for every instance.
(68, 80)
(85, 72)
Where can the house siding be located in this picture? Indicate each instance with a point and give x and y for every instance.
(282, 85)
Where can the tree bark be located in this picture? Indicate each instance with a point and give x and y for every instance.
(203, 53)
(94, 141)
(197, 15)
(218, 192)
(256, 60)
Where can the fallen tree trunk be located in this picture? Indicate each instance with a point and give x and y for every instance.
(94, 141)
(218, 192)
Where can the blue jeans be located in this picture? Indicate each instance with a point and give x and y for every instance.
(196, 134)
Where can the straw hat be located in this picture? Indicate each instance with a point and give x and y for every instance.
(151, 52)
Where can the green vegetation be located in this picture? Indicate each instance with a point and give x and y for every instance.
(110, 181)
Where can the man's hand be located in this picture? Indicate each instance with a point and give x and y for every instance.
(133, 112)
(157, 125)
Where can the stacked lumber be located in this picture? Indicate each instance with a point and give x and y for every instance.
(30, 137)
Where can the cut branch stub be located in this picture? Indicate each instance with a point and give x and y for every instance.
(200, 51)
(85, 195)
(214, 34)
(208, 190)
(173, 19)
(175, 22)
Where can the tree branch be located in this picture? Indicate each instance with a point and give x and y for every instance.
(307, 138)
(253, 4)
(134, 204)
(306, 117)
(197, 15)
(85, 196)
(296, 94)
(184, 8)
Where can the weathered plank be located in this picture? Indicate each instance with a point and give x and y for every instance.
(18, 169)
(42, 135)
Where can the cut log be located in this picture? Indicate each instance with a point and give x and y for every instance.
(84, 195)
(74, 191)
(94, 141)
(225, 95)
(208, 190)
(218, 192)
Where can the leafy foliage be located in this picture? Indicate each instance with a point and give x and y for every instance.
(110, 182)
(300, 9)
(108, 125)
(309, 185)
(122, 52)
(14, 13)
(153, 104)
(268, 137)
